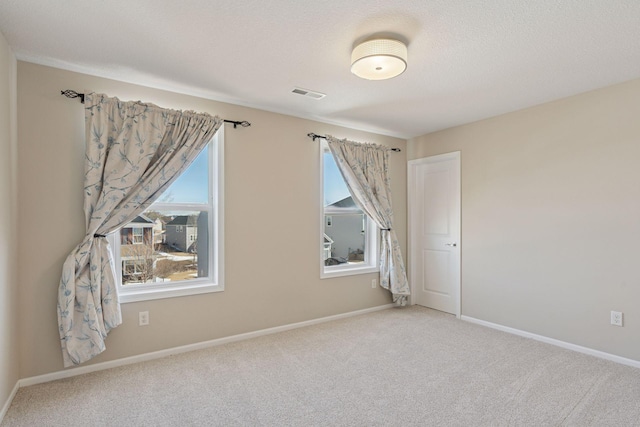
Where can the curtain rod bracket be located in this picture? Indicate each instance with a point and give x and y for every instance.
(316, 136)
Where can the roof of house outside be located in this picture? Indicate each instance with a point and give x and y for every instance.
(184, 220)
(140, 219)
(341, 206)
(347, 202)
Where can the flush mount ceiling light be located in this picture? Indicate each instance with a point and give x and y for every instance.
(379, 59)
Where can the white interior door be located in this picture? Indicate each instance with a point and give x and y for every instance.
(434, 232)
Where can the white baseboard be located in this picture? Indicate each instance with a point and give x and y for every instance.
(558, 343)
(6, 405)
(72, 372)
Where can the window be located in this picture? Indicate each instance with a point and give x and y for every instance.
(349, 237)
(174, 248)
(138, 235)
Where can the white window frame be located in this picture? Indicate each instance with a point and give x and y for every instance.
(371, 253)
(215, 208)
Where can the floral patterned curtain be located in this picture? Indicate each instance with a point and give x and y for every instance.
(365, 169)
(134, 152)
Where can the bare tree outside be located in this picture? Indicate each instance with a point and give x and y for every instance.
(166, 267)
(138, 262)
(153, 215)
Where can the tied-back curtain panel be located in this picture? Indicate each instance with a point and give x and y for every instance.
(365, 169)
(134, 151)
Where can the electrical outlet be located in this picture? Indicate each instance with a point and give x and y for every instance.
(374, 283)
(616, 318)
(143, 318)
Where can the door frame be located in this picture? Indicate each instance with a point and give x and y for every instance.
(411, 187)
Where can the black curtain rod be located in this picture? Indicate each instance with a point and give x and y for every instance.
(73, 94)
(315, 136)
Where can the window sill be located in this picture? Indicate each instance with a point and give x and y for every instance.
(338, 271)
(135, 295)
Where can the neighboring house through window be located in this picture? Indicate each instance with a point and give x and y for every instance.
(181, 232)
(349, 237)
(174, 247)
(137, 250)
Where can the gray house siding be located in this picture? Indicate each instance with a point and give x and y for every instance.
(346, 231)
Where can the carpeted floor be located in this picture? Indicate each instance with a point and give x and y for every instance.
(397, 367)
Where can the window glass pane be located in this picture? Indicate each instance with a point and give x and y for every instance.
(170, 249)
(175, 247)
(138, 235)
(335, 188)
(345, 239)
(344, 224)
(192, 186)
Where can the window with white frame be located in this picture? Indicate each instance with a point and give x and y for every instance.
(180, 251)
(349, 237)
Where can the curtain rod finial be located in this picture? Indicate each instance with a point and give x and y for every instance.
(244, 123)
(73, 94)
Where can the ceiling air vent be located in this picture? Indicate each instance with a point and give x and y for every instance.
(309, 93)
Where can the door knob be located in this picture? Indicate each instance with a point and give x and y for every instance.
(451, 244)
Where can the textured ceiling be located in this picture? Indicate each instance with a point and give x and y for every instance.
(468, 60)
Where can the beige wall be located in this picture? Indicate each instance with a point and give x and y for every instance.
(9, 369)
(551, 217)
(272, 206)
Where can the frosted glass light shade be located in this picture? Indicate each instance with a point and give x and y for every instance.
(379, 59)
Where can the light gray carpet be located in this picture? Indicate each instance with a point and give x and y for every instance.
(398, 367)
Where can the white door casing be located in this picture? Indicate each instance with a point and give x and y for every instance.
(434, 232)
